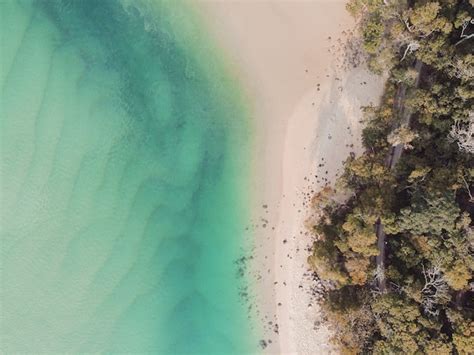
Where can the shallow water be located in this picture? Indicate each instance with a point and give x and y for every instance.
(123, 179)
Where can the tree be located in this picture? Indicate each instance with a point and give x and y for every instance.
(463, 334)
(402, 135)
(324, 262)
(360, 237)
(372, 33)
(357, 266)
(402, 327)
(364, 170)
(458, 274)
(462, 67)
(405, 76)
(419, 174)
(440, 346)
(351, 318)
(424, 20)
(429, 215)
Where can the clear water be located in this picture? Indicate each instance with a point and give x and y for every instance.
(123, 179)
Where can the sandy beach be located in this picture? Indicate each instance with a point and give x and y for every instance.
(306, 111)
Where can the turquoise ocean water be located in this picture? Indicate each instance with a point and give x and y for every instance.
(123, 182)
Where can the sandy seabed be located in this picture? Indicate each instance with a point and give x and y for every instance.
(306, 105)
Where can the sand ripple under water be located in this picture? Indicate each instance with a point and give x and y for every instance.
(122, 183)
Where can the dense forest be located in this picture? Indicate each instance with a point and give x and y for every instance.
(394, 238)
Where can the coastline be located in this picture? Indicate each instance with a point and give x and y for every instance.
(306, 114)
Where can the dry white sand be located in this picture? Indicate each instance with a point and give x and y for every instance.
(307, 120)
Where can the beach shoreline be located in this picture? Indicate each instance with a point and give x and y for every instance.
(306, 118)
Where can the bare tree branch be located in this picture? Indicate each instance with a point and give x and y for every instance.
(411, 47)
(435, 291)
(463, 36)
(463, 134)
(467, 188)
